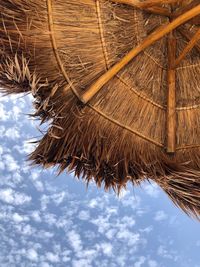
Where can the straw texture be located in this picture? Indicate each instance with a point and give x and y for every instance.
(57, 49)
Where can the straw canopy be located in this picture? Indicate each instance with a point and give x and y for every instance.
(119, 82)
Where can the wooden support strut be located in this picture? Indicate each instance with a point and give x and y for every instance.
(152, 38)
(188, 48)
(185, 8)
(149, 3)
(171, 96)
(188, 35)
(149, 8)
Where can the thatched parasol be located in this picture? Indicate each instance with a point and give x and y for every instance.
(119, 81)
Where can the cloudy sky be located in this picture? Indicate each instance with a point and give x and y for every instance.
(48, 220)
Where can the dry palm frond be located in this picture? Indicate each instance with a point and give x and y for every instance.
(122, 90)
(15, 75)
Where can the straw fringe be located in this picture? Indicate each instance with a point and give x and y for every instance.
(15, 76)
(183, 187)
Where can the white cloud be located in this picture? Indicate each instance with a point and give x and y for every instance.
(44, 202)
(110, 233)
(160, 216)
(11, 163)
(84, 215)
(45, 264)
(12, 133)
(140, 262)
(17, 178)
(32, 255)
(17, 111)
(152, 263)
(134, 202)
(93, 203)
(39, 185)
(102, 222)
(58, 198)
(26, 230)
(52, 257)
(147, 229)
(2, 166)
(75, 241)
(99, 202)
(129, 237)
(50, 218)
(2, 130)
(106, 248)
(46, 235)
(34, 175)
(87, 253)
(81, 263)
(128, 220)
(10, 196)
(19, 218)
(66, 256)
(162, 251)
(36, 216)
(111, 211)
(3, 114)
(1, 150)
(152, 189)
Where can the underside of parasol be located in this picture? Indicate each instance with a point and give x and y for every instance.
(120, 83)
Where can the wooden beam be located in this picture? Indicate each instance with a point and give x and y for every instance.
(147, 3)
(195, 21)
(188, 36)
(150, 3)
(185, 8)
(152, 38)
(171, 96)
(188, 48)
(162, 11)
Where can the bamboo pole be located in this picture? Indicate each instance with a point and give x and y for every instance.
(153, 9)
(149, 3)
(171, 96)
(185, 8)
(152, 38)
(188, 35)
(188, 48)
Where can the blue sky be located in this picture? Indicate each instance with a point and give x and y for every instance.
(48, 220)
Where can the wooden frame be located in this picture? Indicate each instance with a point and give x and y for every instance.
(152, 38)
(178, 18)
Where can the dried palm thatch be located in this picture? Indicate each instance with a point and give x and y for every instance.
(119, 81)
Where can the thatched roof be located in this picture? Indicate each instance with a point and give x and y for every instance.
(121, 91)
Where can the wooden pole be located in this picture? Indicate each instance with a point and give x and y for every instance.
(185, 8)
(152, 38)
(188, 48)
(149, 3)
(171, 96)
(188, 35)
(153, 9)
